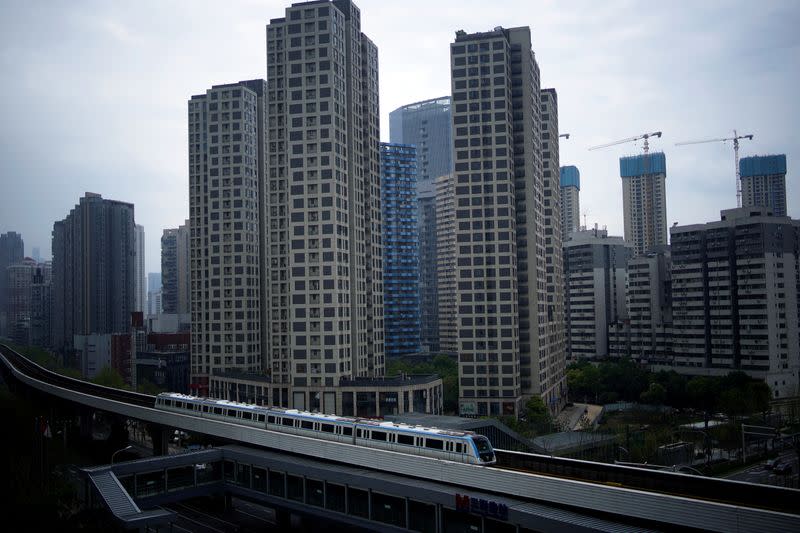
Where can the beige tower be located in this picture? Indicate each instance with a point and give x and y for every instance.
(226, 171)
(323, 277)
(504, 343)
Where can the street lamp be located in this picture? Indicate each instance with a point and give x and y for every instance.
(126, 448)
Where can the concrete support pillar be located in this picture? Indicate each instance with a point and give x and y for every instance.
(86, 424)
(160, 436)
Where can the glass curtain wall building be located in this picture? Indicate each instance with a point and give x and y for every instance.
(427, 126)
(401, 253)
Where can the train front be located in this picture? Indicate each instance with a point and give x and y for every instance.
(485, 450)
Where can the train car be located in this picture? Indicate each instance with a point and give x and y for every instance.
(459, 446)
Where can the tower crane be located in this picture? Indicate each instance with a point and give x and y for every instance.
(565, 135)
(735, 140)
(644, 136)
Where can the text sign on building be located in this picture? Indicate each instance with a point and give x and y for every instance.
(481, 507)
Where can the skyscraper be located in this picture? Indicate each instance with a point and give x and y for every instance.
(506, 345)
(570, 201)
(594, 267)
(93, 287)
(644, 200)
(323, 320)
(548, 371)
(12, 251)
(428, 126)
(764, 182)
(175, 270)
(400, 249)
(141, 290)
(227, 132)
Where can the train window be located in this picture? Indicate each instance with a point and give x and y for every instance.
(179, 405)
(205, 408)
(327, 428)
(232, 413)
(168, 402)
(218, 410)
(261, 418)
(378, 435)
(408, 440)
(288, 421)
(434, 444)
(359, 433)
(459, 447)
(305, 424)
(270, 419)
(247, 416)
(347, 431)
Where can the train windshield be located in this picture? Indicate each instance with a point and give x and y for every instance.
(485, 451)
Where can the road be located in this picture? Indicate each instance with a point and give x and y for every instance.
(758, 473)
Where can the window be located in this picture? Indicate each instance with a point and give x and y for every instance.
(408, 440)
(270, 419)
(232, 413)
(305, 424)
(347, 431)
(378, 435)
(260, 418)
(218, 410)
(434, 444)
(327, 428)
(287, 422)
(247, 416)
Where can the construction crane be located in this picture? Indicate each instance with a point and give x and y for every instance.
(565, 135)
(735, 140)
(644, 136)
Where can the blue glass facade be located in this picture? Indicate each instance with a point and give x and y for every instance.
(762, 165)
(427, 125)
(638, 165)
(570, 177)
(400, 249)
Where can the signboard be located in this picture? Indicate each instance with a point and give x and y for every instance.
(479, 506)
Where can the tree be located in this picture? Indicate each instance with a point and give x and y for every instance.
(655, 394)
(538, 415)
(583, 381)
(110, 378)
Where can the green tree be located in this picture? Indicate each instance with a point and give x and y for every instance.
(655, 394)
(109, 377)
(538, 415)
(148, 387)
(583, 382)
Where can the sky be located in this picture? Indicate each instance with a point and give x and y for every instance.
(94, 95)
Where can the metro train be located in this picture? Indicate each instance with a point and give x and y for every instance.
(459, 446)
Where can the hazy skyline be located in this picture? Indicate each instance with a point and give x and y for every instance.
(94, 96)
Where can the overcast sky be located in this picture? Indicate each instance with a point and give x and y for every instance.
(93, 94)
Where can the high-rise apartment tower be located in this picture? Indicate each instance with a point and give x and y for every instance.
(323, 316)
(570, 201)
(175, 270)
(505, 344)
(764, 182)
(644, 200)
(400, 249)
(227, 128)
(93, 287)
